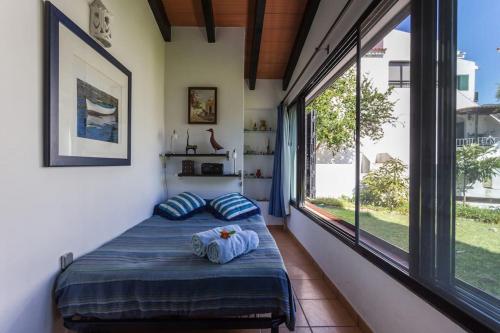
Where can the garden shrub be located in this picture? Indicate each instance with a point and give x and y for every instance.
(386, 186)
(485, 215)
(332, 202)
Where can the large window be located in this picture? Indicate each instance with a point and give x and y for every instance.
(477, 213)
(331, 121)
(401, 154)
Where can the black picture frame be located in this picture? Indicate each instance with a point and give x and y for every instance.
(52, 158)
(212, 118)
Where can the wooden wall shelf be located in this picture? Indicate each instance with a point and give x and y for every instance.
(258, 154)
(259, 131)
(219, 155)
(211, 176)
(254, 177)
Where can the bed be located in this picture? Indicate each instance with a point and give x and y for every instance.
(148, 277)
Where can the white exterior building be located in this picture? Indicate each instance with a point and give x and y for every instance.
(389, 64)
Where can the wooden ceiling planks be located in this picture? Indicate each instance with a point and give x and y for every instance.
(184, 13)
(230, 13)
(282, 20)
(281, 23)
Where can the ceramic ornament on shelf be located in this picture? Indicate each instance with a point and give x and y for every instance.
(189, 146)
(100, 23)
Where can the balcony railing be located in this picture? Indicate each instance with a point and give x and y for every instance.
(482, 141)
(399, 83)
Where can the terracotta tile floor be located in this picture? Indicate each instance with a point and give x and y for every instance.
(318, 308)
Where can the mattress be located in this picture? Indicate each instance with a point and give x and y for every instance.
(149, 271)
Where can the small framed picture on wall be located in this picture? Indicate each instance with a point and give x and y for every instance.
(202, 105)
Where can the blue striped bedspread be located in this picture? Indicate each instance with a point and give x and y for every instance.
(150, 271)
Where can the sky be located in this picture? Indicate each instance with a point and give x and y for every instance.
(478, 35)
(404, 25)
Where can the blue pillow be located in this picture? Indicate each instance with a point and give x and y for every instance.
(233, 206)
(181, 206)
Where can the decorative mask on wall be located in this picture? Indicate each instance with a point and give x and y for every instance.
(100, 22)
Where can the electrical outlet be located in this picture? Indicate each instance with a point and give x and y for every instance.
(66, 260)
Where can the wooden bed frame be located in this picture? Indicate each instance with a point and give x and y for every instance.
(180, 323)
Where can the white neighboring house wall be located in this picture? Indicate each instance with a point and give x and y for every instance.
(396, 140)
(488, 129)
(465, 98)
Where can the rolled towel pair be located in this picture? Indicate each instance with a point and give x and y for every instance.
(223, 250)
(200, 240)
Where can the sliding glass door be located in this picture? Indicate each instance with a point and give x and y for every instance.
(385, 140)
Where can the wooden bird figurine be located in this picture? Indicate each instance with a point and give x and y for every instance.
(214, 143)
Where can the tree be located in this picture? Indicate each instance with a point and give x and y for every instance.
(498, 92)
(475, 163)
(386, 186)
(335, 110)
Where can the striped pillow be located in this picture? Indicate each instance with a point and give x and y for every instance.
(233, 206)
(181, 206)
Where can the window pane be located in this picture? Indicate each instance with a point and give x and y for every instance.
(406, 72)
(394, 72)
(331, 123)
(463, 81)
(385, 116)
(477, 216)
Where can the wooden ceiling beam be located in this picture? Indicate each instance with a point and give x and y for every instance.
(305, 26)
(208, 15)
(260, 9)
(161, 18)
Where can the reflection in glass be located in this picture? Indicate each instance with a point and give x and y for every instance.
(385, 143)
(477, 216)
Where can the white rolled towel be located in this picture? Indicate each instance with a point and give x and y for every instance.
(200, 240)
(221, 251)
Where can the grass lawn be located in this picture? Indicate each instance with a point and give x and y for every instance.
(477, 259)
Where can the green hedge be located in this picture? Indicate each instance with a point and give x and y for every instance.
(485, 215)
(332, 202)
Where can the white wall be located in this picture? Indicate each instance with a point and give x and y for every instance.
(466, 97)
(384, 304)
(45, 212)
(192, 62)
(266, 95)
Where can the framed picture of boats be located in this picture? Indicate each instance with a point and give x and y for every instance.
(87, 94)
(202, 105)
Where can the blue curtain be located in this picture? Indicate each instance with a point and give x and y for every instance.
(292, 148)
(286, 161)
(276, 200)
